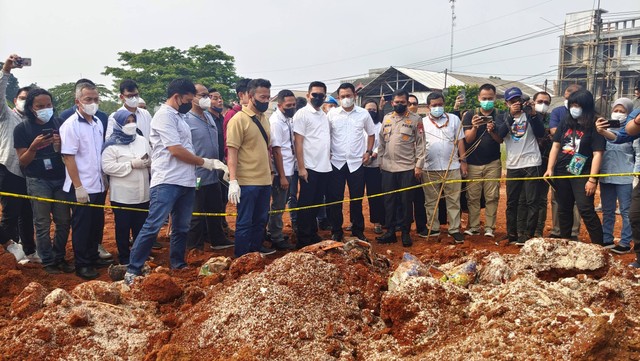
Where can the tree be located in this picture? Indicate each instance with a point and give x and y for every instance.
(64, 96)
(153, 70)
(471, 98)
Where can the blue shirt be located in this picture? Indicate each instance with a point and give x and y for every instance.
(622, 136)
(104, 118)
(204, 135)
(557, 114)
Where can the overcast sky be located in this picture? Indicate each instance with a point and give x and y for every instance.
(290, 42)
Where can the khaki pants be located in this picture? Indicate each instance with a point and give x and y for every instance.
(491, 191)
(452, 194)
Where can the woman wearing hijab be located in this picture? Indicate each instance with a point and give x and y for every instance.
(126, 159)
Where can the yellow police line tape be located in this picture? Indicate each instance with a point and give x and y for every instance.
(41, 199)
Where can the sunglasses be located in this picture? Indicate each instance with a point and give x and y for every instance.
(413, 103)
(318, 95)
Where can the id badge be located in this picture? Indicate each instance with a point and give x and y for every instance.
(577, 163)
(47, 164)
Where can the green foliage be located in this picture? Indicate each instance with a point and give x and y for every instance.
(109, 106)
(64, 95)
(153, 70)
(471, 98)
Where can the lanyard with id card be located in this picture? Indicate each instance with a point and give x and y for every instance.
(578, 160)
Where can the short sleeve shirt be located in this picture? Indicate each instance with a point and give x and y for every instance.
(576, 140)
(47, 163)
(313, 125)
(84, 141)
(282, 137)
(349, 131)
(169, 128)
(487, 149)
(253, 168)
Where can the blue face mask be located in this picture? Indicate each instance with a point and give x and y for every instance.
(486, 104)
(437, 112)
(45, 114)
(218, 110)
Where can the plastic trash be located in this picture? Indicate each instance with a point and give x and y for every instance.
(409, 267)
(215, 265)
(461, 275)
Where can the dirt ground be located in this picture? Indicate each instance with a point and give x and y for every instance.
(198, 296)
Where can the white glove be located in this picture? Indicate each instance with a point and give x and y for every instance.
(82, 196)
(211, 164)
(234, 192)
(140, 163)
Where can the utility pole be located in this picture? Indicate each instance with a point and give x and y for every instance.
(598, 25)
(453, 24)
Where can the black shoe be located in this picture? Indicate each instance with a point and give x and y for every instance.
(88, 273)
(360, 236)
(156, 245)
(225, 243)
(324, 225)
(406, 240)
(338, 237)
(283, 246)
(551, 235)
(103, 263)
(389, 237)
(65, 267)
(426, 233)
(458, 237)
(316, 239)
(620, 249)
(267, 251)
(52, 269)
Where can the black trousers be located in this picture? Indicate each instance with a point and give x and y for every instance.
(127, 223)
(530, 190)
(87, 225)
(17, 216)
(335, 192)
(224, 198)
(208, 200)
(373, 185)
(569, 191)
(311, 192)
(634, 218)
(392, 181)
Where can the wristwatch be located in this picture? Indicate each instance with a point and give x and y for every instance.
(369, 151)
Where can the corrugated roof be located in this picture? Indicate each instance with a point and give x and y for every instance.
(500, 84)
(430, 79)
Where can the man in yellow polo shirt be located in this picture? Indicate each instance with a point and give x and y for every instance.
(250, 168)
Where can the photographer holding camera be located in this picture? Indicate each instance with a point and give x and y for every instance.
(521, 127)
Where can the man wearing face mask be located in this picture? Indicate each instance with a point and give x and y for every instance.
(401, 154)
(250, 170)
(204, 135)
(130, 97)
(82, 138)
(104, 117)
(520, 131)
(285, 163)
(483, 144)
(349, 124)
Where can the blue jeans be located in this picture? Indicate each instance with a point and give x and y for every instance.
(51, 254)
(165, 199)
(253, 211)
(609, 193)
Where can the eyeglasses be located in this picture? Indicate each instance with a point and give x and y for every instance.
(204, 95)
(318, 95)
(413, 103)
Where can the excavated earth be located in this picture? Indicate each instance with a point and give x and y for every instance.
(554, 300)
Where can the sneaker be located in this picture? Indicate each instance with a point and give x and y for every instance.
(458, 238)
(360, 236)
(620, 249)
(266, 251)
(103, 252)
(283, 246)
(377, 229)
(129, 279)
(489, 233)
(65, 267)
(634, 264)
(472, 232)
(324, 225)
(52, 269)
(156, 245)
(553, 235)
(609, 245)
(511, 240)
(34, 258)
(16, 250)
(225, 243)
(427, 233)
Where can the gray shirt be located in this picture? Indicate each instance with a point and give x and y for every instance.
(204, 135)
(8, 121)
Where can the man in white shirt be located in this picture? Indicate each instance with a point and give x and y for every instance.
(81, 137)
(173, 179)
(284, 161)
(445, 160)
(130, 98)
(312, 137)
(520, 131)
(349, 124)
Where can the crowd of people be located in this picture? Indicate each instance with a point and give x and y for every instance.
(197, 154)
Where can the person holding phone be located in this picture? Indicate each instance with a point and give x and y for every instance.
(125, 159)
(37, 144)
(618, 158)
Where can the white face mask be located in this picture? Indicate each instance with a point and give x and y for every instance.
(20, 105)
(131, 102)
(618, 116)
(129, 128)
(346, 102)
(90, 109)
(204, 103)
(575, 112)
(542, 108)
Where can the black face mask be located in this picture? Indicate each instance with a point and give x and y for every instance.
(260, 106)
(317, 102)
(289, 112)
(184, 108)
(374, 115)
(400, 108)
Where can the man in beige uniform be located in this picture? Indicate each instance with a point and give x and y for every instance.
(401, 153)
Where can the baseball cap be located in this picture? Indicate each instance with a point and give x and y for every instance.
(512, 92)
(331, 100)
